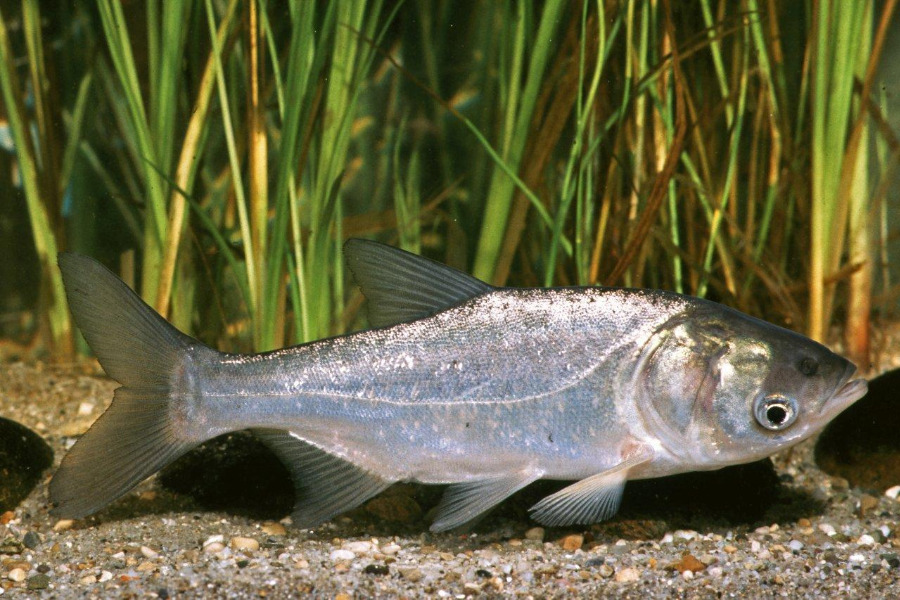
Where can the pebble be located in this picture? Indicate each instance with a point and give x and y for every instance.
(38, 582)
(865, 540)
(688, 562)
(390, 549)
(572, 542)
(360, 547)
(857, 557)
(827, 529)
(63, 525)
(606, 571)
(412, 575)
(105, 576)
(892, 492)
(273, 528)
(866, 504)
(148, 552)
(535, 533)
(796, 545)
(374, 569)
(16, 574)
(628, 575)
(244, 543)
(338, 555)
(31, 540)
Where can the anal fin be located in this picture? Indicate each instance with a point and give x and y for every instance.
(593, 499)
(324, 485)
(463, 502)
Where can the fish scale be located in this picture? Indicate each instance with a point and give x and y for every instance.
(485, 389)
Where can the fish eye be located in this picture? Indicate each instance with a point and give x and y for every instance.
(775, 412)
(809, 366)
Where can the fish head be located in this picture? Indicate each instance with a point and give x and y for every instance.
(724, 388)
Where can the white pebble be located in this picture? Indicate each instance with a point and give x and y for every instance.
(390, 549)
(16, 574)
(667, 539)
(687, 574)
(865, 540)
(885, 530)
(827, 529)
(687, 534)
(341, 555)
(892, 492)
(213, 539)
(148, 552)
(795, 545)
(714, 571)
(358, 547)
(754, 546)
(857, 557)
(104, 576)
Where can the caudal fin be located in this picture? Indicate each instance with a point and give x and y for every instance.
(138, 434)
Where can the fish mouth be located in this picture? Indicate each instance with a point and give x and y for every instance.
(848, 391)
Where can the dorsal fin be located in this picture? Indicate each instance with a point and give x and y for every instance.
(401, 286)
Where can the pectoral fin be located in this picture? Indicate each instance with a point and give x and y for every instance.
(324, 485)
(593, 499)
(463, 502)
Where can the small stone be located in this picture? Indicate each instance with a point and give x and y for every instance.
(535, 534)
(715, 571)
(827, 529)
(840, 484)
(360, 547)
(343, 596)
(31, 540)
(471, 589)
(865, 540)
(730, 549)
(273, 528)
(63, 525)
(88, 579)
(398, 508)
(11, 545)
(628, 575)
(412, 575)
(148, 552)
(390, 549)
(214, 544)
(688, 562)
(6, 517)
(892, 492)
(105, 576)
(687, 574)
(244, 543)
(795, 545)
(571, 543)
(606, 571)
(341, 554)
(38, 582)
(374, 569)
(856, 557)
(145, 566)
(866, 504)
(16, 574)
(803, 522)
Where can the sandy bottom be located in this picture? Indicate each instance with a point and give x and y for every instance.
(792, 532)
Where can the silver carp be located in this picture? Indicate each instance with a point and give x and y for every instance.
(485, 389)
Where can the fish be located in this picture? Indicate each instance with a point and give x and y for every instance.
(484, 389)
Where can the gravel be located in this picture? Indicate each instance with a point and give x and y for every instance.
(819, 537)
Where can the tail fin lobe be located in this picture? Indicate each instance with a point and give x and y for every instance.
(139, 433)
